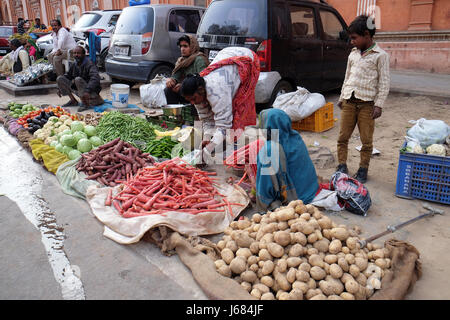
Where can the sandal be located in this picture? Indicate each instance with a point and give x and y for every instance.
(71, 104)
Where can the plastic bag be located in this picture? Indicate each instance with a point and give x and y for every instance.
(328, 200)
(413, 145)
(429, 132)
(299, 104)
(152, 94)
(352, 193)
(72, 182)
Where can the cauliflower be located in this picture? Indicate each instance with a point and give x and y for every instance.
(37, 132)
(68, 122)
(49, 140)
(64, 117)
(417, 149)
(437, 150)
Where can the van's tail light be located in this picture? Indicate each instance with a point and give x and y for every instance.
(146, 41)
(264, 53)
(97, 32)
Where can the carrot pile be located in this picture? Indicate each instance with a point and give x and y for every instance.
(246, 155)
(113, 162)
(172, 185)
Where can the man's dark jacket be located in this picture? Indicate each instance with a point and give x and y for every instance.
(89, 72)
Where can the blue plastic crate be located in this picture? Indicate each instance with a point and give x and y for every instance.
(423, 176)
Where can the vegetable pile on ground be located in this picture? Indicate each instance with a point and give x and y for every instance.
(19, 110)
(162, 148)
(91, 118)
(36, 119)
(113, 162)
(134, 130)
(172, 185)
(296, 252)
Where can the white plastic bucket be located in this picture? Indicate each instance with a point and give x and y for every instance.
(120, 93)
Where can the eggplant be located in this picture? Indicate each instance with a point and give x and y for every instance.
(42, 114)
(31, 130)
(36, 121)
(29, 120)
(52, 114)
(44, 120)
(36, 127)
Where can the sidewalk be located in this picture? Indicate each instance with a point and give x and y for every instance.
(418, 83)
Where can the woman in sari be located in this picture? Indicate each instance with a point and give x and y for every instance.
(191, 61)
(285, 171)
(224, 95)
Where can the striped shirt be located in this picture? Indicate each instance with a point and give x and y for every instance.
(367, 76)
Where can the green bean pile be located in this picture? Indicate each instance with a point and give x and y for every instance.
(162, 148)
(137, 131)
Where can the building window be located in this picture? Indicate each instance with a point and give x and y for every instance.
(200, 3)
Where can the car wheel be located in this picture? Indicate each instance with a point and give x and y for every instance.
(130, 83)
(282, 87)
(162, 69)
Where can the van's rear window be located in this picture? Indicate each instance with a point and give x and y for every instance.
(6, 31)
(135, 20)
(235, 18)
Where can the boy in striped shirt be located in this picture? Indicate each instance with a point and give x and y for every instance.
(364, 91)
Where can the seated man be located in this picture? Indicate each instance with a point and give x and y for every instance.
(192, 61)
(63, 41)
(83, 80)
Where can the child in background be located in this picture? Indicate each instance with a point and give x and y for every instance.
(365, 89)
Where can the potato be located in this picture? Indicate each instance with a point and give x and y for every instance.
(256, 227)
(308, 229)
(267, 267)
(338, 287)
(354, 271)
(343, 264)
(282, 238)
(282, 265)
(269, 228)
(326, 287)
(317, 273)
(243, 252)
(225, 271)
(238, 265)
(373, 283)
(261, 263)
(310, 208)
(346, 277)
(293, 262)
(247, 286)
(296, 250)
(322, 245)
(335, 246)
(291, 275)
(340, 233)
(261, 287)
(267, 296)
(319, 296)
(249, 276)
(254, 247)
(381, 263)
(334, 297)
(312, 251)
(352, 286)
(242, 239)
(369, 246)
(315, 260)
(219, 263)
(345, 250)
(347, 296)
(361, 263)
(285, 214)
(330, 258)
(312, 283)
(296, 294)
(228, 230)
(256, 293)
(275, 250)
(254, 267)
(283, 225)
(227, 255)
(336, 271)
(264, 255)
(301, 286)
(378, 254)
(305, 216)
(327, 234)
(312, 292)
(221, 245)
(361, 279)
(300, 208)
(317, 214)
(352, 243)
(267, 281)
(284, 296)
(350, 258)
(256, 218)
(324, 222)
(300, 238)
(316, 226)
(252, 260)
(234, 225)
(267, 238)
(232, 245)
(282, 282)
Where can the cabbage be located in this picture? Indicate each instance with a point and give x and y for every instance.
(59, 147)
(68, 140)
(84, 145)
(74, 154)
(90, 130)
(96, 141)
(76, 126)
(54, 143)
(67, 149)
(78, 135)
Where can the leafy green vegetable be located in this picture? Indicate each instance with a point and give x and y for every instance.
(84, 145)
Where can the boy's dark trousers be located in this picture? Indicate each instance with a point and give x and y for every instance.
(356, 112)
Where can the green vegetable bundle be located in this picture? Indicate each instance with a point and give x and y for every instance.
(162, 148)
(137, 131)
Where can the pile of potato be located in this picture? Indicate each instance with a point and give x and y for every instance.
(296, 253)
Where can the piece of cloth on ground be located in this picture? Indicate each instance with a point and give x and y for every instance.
(107, 104)
(405, 270)
(52, 159)
(72, 182)
(191, 252)
(131, 230)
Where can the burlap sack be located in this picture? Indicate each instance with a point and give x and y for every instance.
(405, 270)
